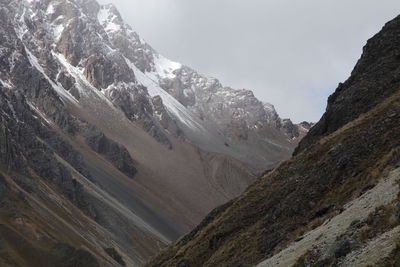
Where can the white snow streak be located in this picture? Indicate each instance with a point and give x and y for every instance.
(6, 84)
(41, 114)
(106, 19)
(172, 105)
(164, 68)
(57, 31)
(83, 86)
(50, 9)
(59, 89)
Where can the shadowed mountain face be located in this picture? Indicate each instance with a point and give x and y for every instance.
(374, 78)
(336, 202)
(108, 150)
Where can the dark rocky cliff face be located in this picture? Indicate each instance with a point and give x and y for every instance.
(375, 77)
(114, 152)
(295, 214)
(45, 181)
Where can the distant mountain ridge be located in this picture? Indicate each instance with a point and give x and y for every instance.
(237, 115)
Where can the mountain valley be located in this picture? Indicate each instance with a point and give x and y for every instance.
(113, 155)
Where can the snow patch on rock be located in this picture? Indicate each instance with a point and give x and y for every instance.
(164, 68)
(107, 19)
(173, 106)
(59, 89)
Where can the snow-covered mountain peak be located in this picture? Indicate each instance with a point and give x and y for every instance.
(95, 53)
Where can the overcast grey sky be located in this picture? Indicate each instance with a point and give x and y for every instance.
(291, 53)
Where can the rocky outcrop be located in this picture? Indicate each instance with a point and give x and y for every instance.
(295, 132)
(137, 106)
(27, 145)
(166, 121)
(115, 255)
(112, 151)
(290, 129)
(3, 186)
(68, 83)
(374, 78)
(223, 107)
(125, 39)
(102, 71)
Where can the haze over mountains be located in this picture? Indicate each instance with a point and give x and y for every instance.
(275, 48)
(109, 151)
(113, 155)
